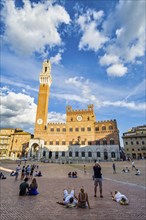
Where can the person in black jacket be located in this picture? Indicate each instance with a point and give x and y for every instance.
(97, 179)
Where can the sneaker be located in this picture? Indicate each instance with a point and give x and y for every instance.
(101, 196)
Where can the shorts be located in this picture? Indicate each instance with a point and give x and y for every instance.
(98, 180)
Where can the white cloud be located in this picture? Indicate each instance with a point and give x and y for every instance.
(31, 28)
(56, 117)
(117, 70)
(56, 59)
(92, 38)
(108, 59)
(126, 27)
(17, 110)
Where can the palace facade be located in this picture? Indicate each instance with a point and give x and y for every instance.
(81, 138)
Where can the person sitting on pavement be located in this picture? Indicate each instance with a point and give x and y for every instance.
(137, 172)
(24, 187)
(69, 199)
(2, 176)
(126, 170)
(69, 174)
(120, 198)
(39, 174)
(33, 187)
(13, 173)
(83, 201)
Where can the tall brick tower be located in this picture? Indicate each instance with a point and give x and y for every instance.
(43, 98)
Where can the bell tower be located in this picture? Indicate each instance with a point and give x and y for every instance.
(43, 98)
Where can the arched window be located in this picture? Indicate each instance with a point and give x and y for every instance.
(63, 153)
(89, 154)
(44, 153)
(76, 154)
(110, 127)
(98, 154)
(83, 154)
(112, 142)
(103, 128)
(97, 142)
(70, 154)
(113, 155)
(104, 142)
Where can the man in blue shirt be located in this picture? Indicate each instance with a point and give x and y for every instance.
(97, 179)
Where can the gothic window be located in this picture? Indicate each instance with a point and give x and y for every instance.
(58, 129)
(88, 129)
(82, 142)
(44, 153)
(83, 154)
(132, 149)
(70, 154)
(52, 129)
(97, 129)
(104, 142)
(82, 129)
(143, 142)
(88, 118)
(76, 154)
(103, 128)
(64, 129)
(71, 119)
(89, 154)
(63, 153)
(98, 154)
(70, 142)
(110, 127)
(126, 143)
(51, 142)
(76, 129)
(113, 155)
(45, 143)
(137, 142)
(89, 143)
(138, 149)
(63, 142)
(57, 142)
(70, 129)
(45, 69)
(112, 142)
(131, 142)
(97, 142)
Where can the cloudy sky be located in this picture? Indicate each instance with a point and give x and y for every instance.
(97, 51)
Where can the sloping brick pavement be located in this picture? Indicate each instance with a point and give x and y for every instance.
(51, 185)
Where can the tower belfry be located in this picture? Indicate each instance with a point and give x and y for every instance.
(43, 98)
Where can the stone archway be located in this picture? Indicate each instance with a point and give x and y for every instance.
(36, 148)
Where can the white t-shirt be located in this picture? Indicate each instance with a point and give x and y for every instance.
(118, 196)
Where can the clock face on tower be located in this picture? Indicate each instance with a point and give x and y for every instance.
(79, 118)
(39, 121)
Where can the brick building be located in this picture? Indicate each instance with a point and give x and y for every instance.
(14, 142)
(80, 138)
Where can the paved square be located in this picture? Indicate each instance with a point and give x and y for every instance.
(55, 179)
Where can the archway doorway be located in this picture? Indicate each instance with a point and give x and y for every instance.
(105, 155)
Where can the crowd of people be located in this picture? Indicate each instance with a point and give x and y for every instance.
(29, 172)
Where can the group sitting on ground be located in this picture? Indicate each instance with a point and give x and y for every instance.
(118, 197)
(26, 189)
(126, 170)
(70, 200)
(38, 173)
(73, 174)
(2, 176)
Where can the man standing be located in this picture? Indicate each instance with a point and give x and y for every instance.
(97, 179)
(114, 168)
